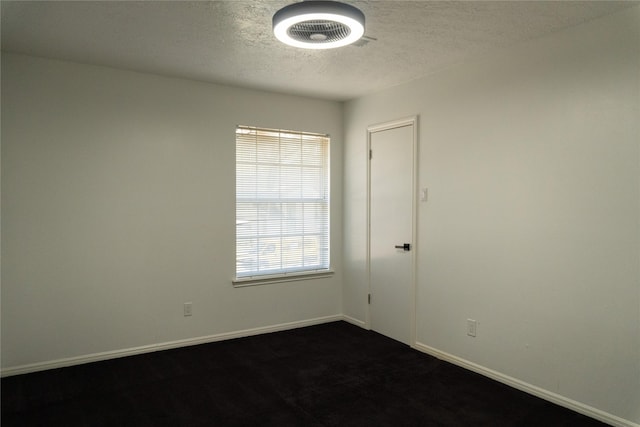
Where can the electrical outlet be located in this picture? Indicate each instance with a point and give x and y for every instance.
(187, 308)
(471, 327)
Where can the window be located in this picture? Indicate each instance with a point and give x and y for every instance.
(282, 204)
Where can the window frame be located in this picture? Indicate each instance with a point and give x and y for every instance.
(282, 273)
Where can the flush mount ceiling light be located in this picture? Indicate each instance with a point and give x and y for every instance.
(318, 24)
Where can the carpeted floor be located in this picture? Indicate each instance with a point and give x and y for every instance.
(334, 374)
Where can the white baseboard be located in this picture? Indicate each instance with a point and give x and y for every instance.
(96, 357)
(581, 408)
(354, 321)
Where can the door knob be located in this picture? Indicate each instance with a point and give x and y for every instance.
(405, 246)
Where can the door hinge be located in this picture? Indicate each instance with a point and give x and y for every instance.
(369, 298)
(370, 154)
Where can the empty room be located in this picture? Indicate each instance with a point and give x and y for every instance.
(201, 224)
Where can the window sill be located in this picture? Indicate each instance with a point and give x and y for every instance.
(280, 278)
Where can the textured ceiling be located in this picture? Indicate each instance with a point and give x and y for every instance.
(231, 42)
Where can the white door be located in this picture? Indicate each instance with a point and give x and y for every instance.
(391, 216)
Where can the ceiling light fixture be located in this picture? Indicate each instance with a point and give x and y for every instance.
(318, 24)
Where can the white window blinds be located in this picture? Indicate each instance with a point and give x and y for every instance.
(282, 202)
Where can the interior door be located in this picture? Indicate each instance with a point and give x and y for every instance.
(391, 222)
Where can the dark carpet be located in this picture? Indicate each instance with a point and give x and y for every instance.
(334, 374)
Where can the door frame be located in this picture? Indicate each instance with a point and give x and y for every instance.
(406, 121)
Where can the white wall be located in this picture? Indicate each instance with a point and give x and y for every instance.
(118, 205)
(532, 227)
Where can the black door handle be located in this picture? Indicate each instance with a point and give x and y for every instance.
(405, 246)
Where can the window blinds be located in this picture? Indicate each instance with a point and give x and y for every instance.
(282, 201)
